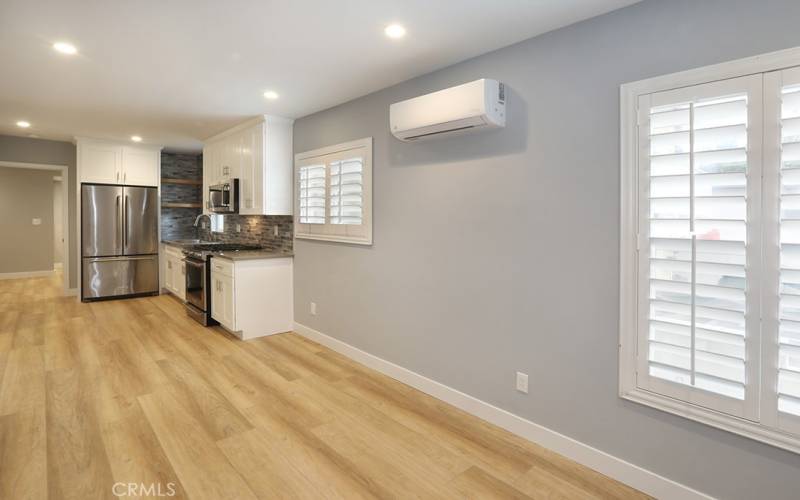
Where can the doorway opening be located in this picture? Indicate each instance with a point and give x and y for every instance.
(36, 201)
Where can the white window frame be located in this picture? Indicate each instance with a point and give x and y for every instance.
(362, 235)
(763, 430)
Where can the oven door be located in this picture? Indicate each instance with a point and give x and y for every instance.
(196, 283)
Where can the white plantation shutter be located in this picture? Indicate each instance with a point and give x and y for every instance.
(347, 195)
(699, 204)
(782, 251)
(312, 194)
(334, 193)
(789, 312)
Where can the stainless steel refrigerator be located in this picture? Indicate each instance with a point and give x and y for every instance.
(119, 247)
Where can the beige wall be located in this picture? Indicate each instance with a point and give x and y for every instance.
(26, 195)
(26, 150)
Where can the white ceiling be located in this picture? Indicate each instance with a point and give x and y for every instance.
(178, 71)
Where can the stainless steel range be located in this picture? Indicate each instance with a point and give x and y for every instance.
(198, 277)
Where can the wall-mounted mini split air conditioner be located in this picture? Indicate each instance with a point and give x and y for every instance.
(473, 106)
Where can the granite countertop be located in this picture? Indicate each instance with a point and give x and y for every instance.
(185, 243)
(251, 255)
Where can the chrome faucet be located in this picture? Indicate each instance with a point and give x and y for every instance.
(197, 224)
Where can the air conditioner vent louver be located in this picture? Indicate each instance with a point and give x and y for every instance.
(469, 107)
(415, 137)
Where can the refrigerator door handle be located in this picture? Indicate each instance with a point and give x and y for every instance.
(125, 219)
(118, 235)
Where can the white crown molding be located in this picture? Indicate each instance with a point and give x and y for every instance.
(247, 124)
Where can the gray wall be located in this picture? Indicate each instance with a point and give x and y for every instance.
(24, 195)
(499, 252)
(26, 150)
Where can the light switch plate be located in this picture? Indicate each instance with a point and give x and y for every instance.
(522, 382)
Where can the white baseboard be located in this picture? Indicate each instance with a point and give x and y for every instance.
(70, 291)
(625, 472)
(26, 274)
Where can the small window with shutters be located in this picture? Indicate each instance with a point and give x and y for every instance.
(312, 194)
(710, 246)
(334, 193)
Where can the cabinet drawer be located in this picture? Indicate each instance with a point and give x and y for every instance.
(173, 251)
(222, 266)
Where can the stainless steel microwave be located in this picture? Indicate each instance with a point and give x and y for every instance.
(224, 198)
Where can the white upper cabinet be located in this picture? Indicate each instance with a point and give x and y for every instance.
(101, 163)
(140, 167)
(110, 163)
(259, 154)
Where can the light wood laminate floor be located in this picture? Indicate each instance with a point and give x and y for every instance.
(133, 391)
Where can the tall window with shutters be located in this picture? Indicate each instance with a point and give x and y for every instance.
(334, 193)
(710, 264)
(699, 181)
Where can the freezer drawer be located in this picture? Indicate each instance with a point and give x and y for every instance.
(119, 276)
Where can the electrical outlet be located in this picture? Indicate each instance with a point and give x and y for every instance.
(522, 382)
(313, 308)
(275, 230)
(238, 228)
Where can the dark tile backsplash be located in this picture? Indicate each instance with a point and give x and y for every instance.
(177, 223)
(182, 166)
(255, 230)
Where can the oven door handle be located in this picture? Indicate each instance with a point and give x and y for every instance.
(194, 262)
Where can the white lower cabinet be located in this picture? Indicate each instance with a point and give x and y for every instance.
(174, 272)
(180, 277)
(223, 297)
(252, 298)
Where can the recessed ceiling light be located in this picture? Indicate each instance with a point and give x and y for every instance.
(136, 138)
(23, 124)
(395, 31)
(65, 48)
(270, 94)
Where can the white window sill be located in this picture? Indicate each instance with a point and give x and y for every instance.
(736, 425)
(335, 239)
